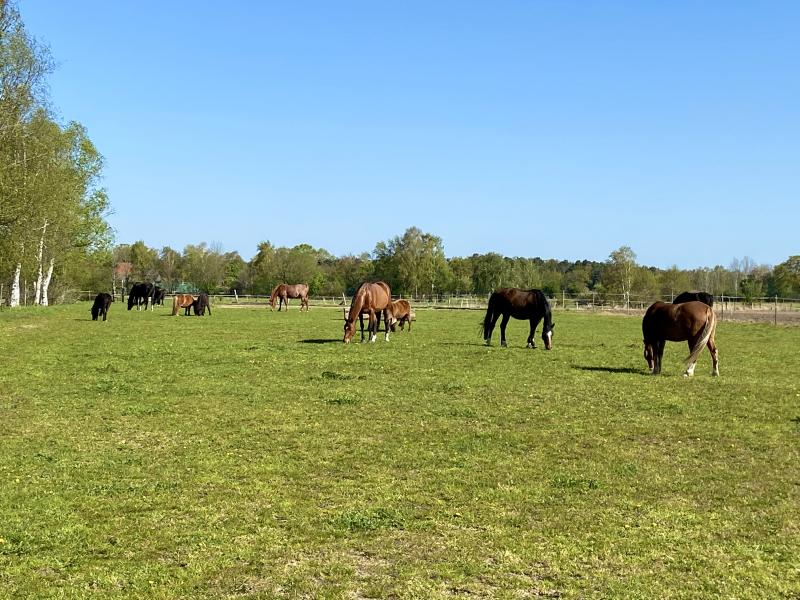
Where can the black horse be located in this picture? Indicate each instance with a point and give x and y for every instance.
(200, 305)
(703, 297)
(520, 304)
(100, 307)
(158, 296)
(141, 293)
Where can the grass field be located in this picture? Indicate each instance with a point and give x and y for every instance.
(252, 454)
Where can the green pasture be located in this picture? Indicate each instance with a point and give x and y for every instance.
(251, 454)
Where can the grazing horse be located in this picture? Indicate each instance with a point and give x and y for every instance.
(401, 311)
(284, 291)
(100, 307)
(370, 299)
(158, 296)
(200, 305)
(703, 297)
(179, 301)
(693, 322)
(520, 304)
(141, 293)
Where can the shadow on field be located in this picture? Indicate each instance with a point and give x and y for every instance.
(337, 341)
(611, 369)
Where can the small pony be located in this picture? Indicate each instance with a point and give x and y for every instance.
(200, 305)
(401, 311)
(693, 322)
(101, 304)
(179, 301)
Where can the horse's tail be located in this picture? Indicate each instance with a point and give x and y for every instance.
(708, 331)
(487, 320)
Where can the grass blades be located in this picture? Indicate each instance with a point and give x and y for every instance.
(252, 454)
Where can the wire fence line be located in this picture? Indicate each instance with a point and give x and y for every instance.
(738, 308)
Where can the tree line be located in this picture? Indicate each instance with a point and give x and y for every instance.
(414, 264)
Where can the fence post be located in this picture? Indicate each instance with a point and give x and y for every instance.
(776, 309)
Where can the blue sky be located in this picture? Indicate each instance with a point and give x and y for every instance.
(554, 129)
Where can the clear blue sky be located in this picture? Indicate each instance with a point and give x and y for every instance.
(553, 129)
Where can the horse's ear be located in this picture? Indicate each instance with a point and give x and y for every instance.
(552, 326)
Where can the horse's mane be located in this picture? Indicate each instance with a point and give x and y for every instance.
(275, 293)
(357, 303)
(548, 316)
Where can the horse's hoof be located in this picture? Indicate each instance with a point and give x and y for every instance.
(503, 344)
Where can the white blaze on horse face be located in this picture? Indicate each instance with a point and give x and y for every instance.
(549, 338)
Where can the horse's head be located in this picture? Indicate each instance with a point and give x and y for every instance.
(649, 355)
(547, 336)
(349, 330)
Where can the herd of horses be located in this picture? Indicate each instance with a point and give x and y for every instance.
(688, 318)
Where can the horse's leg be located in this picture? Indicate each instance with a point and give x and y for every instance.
(658, 351)
(492, 323)
(503, 324)
(534, 325)
(373, 325)
(386, 323)
(690, 367)
(361, 320)
(712, 348)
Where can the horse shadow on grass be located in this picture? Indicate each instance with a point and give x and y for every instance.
(630, 370)
(321, 341)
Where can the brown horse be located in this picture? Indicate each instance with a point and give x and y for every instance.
(284, 291)
(693, 322)
(520, 304)
(370, 299)
(401, 313)
(179, 301)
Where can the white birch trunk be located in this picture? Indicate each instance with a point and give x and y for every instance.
(14, 297)
(37, 285)
(46, 282)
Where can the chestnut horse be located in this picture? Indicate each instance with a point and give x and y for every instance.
(693, 322)
(185, 301)
(370, 299)
(284, 291)
(520, 304)
(401, 313)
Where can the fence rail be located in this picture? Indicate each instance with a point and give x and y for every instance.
(738, 308)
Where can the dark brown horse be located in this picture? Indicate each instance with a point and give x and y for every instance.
(693, 322)
(371, 299)
(520, 304)
(201, 305)
(179, 301)
(284, 291)
(100, 307)
(401, 313)
(703, 297)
